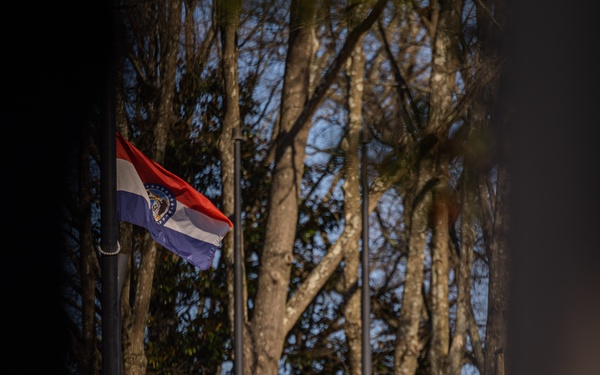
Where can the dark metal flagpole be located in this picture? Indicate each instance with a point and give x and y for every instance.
(237, 258)
(365, 295)
(109, 247)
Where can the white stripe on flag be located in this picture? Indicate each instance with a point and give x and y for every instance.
(185, 220)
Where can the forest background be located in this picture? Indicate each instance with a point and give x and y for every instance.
(546, 162)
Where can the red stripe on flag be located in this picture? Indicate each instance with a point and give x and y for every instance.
(152, 172)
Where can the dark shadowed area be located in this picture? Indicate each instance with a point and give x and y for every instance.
(553, 84)
(52, 68)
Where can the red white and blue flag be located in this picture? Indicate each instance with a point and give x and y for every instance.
(177, 216)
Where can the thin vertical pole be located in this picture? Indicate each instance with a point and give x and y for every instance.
(365, 295)
(237, 258)
(111, 324)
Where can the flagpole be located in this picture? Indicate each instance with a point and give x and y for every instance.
(365, 295)
(109, 247)
(237, 258)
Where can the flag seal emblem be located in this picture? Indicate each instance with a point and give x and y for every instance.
(162, 202)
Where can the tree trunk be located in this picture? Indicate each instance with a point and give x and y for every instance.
(463, 276)
(440, 325)
(352, 206)
(320, 274)
(407, 339)
(496, 338)
(273, 281)
(228, 20)
(442, 114)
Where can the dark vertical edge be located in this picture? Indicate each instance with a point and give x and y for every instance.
(365, 295)
(237, 258)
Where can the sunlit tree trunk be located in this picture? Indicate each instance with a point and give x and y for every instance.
(313, 283)
(463, 276)
(267, 328)
(408, 346)
(352, 206)
(440, 268)
(430, 207)
(442, 114)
